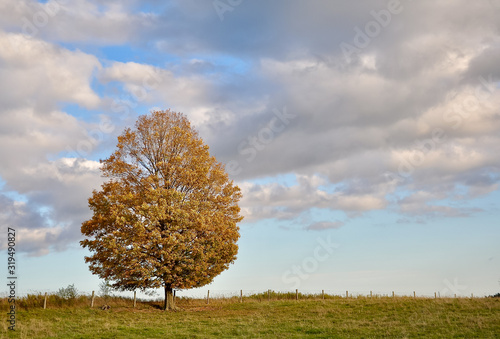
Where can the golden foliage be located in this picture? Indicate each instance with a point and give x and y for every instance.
(167, 216)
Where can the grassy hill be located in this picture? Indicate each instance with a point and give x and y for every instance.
(256, 317)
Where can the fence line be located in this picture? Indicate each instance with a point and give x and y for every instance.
(271, 295)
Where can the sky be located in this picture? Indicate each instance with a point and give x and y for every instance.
(365, 136)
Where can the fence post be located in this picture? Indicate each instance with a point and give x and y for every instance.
(347, 294)
(297, 294)
(472, 295)
(435, 295)
(268, 295)
(135, 300)
(414, 294)
(92, 300)
(371, 294)
(393, 294)
(241, 296)
(45, 301)
(323, 294)
(208, 297)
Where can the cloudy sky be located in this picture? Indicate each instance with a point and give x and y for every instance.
(365, 135)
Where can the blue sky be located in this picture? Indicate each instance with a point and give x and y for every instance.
(364, 136)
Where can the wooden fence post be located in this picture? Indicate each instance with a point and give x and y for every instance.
(241, 296)
(297, 294)
(208, 297)
(435, 295)
(371, 294)
(393, 294)
(135, 300)
(45, 301)
(414, 294)
(347, 294)
(323, 294)
(268, 295)
(92, 300)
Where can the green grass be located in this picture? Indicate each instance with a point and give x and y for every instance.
(336, 317)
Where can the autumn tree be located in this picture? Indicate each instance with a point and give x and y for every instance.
(167, 215)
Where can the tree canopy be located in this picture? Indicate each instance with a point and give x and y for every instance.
(167, 215)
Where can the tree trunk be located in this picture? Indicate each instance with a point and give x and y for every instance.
(169, 299)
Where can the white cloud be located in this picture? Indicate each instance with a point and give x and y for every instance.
(277, 201)
(324, 225)
(40, 73)
(76, 21)
(419, 204)
(57, 193)
(356, 122)
(191, 94)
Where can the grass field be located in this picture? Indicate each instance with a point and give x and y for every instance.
(334, 317)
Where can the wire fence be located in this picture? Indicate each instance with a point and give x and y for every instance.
(209, 297)
(316, 294)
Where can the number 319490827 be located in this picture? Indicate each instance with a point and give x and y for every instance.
(11, 238)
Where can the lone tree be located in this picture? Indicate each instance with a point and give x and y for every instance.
(167, 216)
